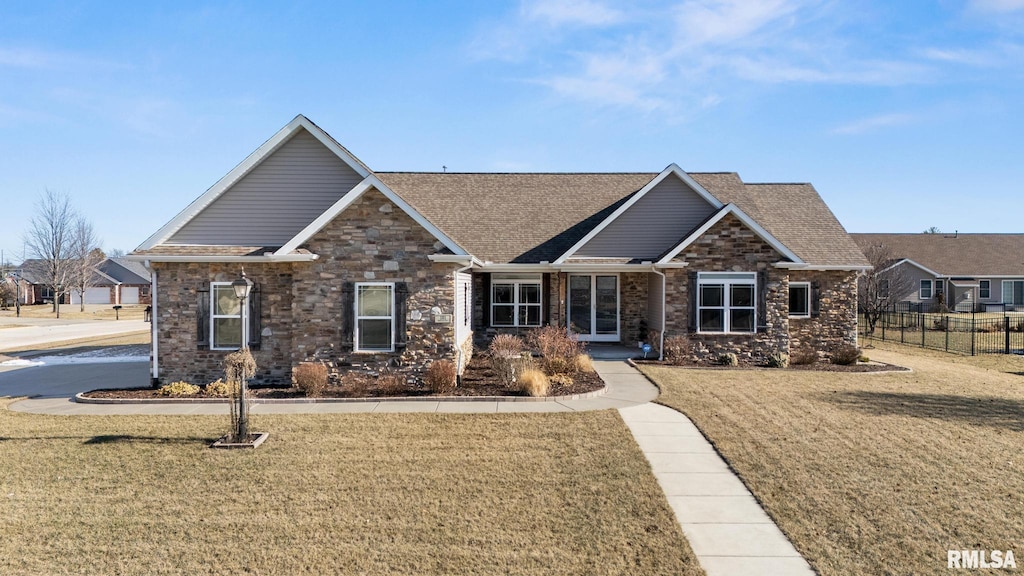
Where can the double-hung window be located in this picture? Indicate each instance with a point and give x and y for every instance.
(984, 289)
(516, 300)
(226, 317)
(375, 317)
(926, 289)
(726, 302)
(799, 299)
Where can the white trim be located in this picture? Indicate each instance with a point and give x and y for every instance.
(516, 304)
(152, 321)
(593, 336)
(455, 259)
(989, 289)
(251, 161)
(806, 285)
(356, 317)
(747, 221)
(370, 181)
(242, 317)
(264, 258)
(491, 267)
(670, 169)
(909, 261)
(602, 268)
(822, 267)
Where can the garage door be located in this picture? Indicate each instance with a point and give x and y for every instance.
(93, 296)
(130, 295)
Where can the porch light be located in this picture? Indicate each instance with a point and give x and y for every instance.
(242, 286)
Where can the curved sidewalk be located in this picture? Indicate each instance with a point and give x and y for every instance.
(625, 387)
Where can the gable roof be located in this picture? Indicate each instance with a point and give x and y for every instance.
(955, 254)
(747, 221)
(124, 271)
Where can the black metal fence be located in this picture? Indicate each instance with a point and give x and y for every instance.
(971, 333)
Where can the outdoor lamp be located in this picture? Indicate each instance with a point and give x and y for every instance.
(242, 286)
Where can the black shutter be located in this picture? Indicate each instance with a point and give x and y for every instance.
(545, 300)
(762, 301)
(203, 319)
(815, 299)
(348, 311)
(487, 300)
(692, 294)
(255, 320)
(401, 305)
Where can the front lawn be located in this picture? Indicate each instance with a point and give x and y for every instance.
(333, 494)
(879, 473)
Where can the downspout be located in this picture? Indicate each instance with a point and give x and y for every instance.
(455, 299)
(152, 322)
(661, 333)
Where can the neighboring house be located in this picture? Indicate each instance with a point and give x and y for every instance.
(367, 270)
(971, 272)
(117, 281)
(33, 287)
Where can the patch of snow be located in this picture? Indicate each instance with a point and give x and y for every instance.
(20, 362)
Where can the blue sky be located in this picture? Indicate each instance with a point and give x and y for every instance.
(904, 115)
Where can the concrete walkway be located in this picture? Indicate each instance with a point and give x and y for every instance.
(728, 530)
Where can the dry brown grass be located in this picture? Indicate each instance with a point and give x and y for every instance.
(333, 494)
(534, 382)
(873, 474)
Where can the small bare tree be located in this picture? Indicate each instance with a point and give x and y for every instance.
(48, 239)
(883, 286)
(85, 254)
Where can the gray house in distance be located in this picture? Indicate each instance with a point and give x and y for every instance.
(365, 270)
(969, 272)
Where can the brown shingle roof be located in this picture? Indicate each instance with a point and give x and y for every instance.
(956, 255)
(535, 217)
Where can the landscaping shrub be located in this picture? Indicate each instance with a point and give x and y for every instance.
(803, 357)
(728, 359)
(508, 358)
(180, 388)
(845, 354)
(561, 379)
(441, 376)
(310, 378)
(941, 323)
(583, 363)
(356, 384)
(677, 350)
(778, 360)
(391, 384)
(558, 348)
(220, 389)
(534, 382)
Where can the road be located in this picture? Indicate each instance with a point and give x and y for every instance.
(46, 331)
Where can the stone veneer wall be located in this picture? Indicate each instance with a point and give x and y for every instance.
(302, 308)
(633, 308)
(373, 241)
(730, 246)
(178, 286)
(836, 323)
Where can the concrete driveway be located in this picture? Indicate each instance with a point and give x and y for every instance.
(36, 331)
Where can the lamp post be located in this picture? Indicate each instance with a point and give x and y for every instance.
(242, 287)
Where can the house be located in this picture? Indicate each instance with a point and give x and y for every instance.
(367, 270)
(966, 272)
(33, 287)
(116, 281)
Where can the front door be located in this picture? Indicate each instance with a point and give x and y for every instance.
(594, 307)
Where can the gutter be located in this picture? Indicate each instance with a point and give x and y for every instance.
(265, 258)
(664, 299)
(455, 300)
(155, 342)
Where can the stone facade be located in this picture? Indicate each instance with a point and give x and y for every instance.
(633, 322)
(835, 321)
(303, 312)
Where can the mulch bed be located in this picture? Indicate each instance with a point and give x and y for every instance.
(478, 380)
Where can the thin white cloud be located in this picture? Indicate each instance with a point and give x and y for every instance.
(571, 12)
(867, 72)
(725, 21)
(999, 6)
(872, 124)
(960, 56)
(24, 58)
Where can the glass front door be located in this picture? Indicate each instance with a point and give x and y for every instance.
(594, 307)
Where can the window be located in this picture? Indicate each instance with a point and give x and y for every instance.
(375, 317)
(725, 302)
(515, 301)
(800, 299)
(883, 288)
(985, 289)
(1013, 291)
(926, 289)
(144, 290)
(225, 318)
